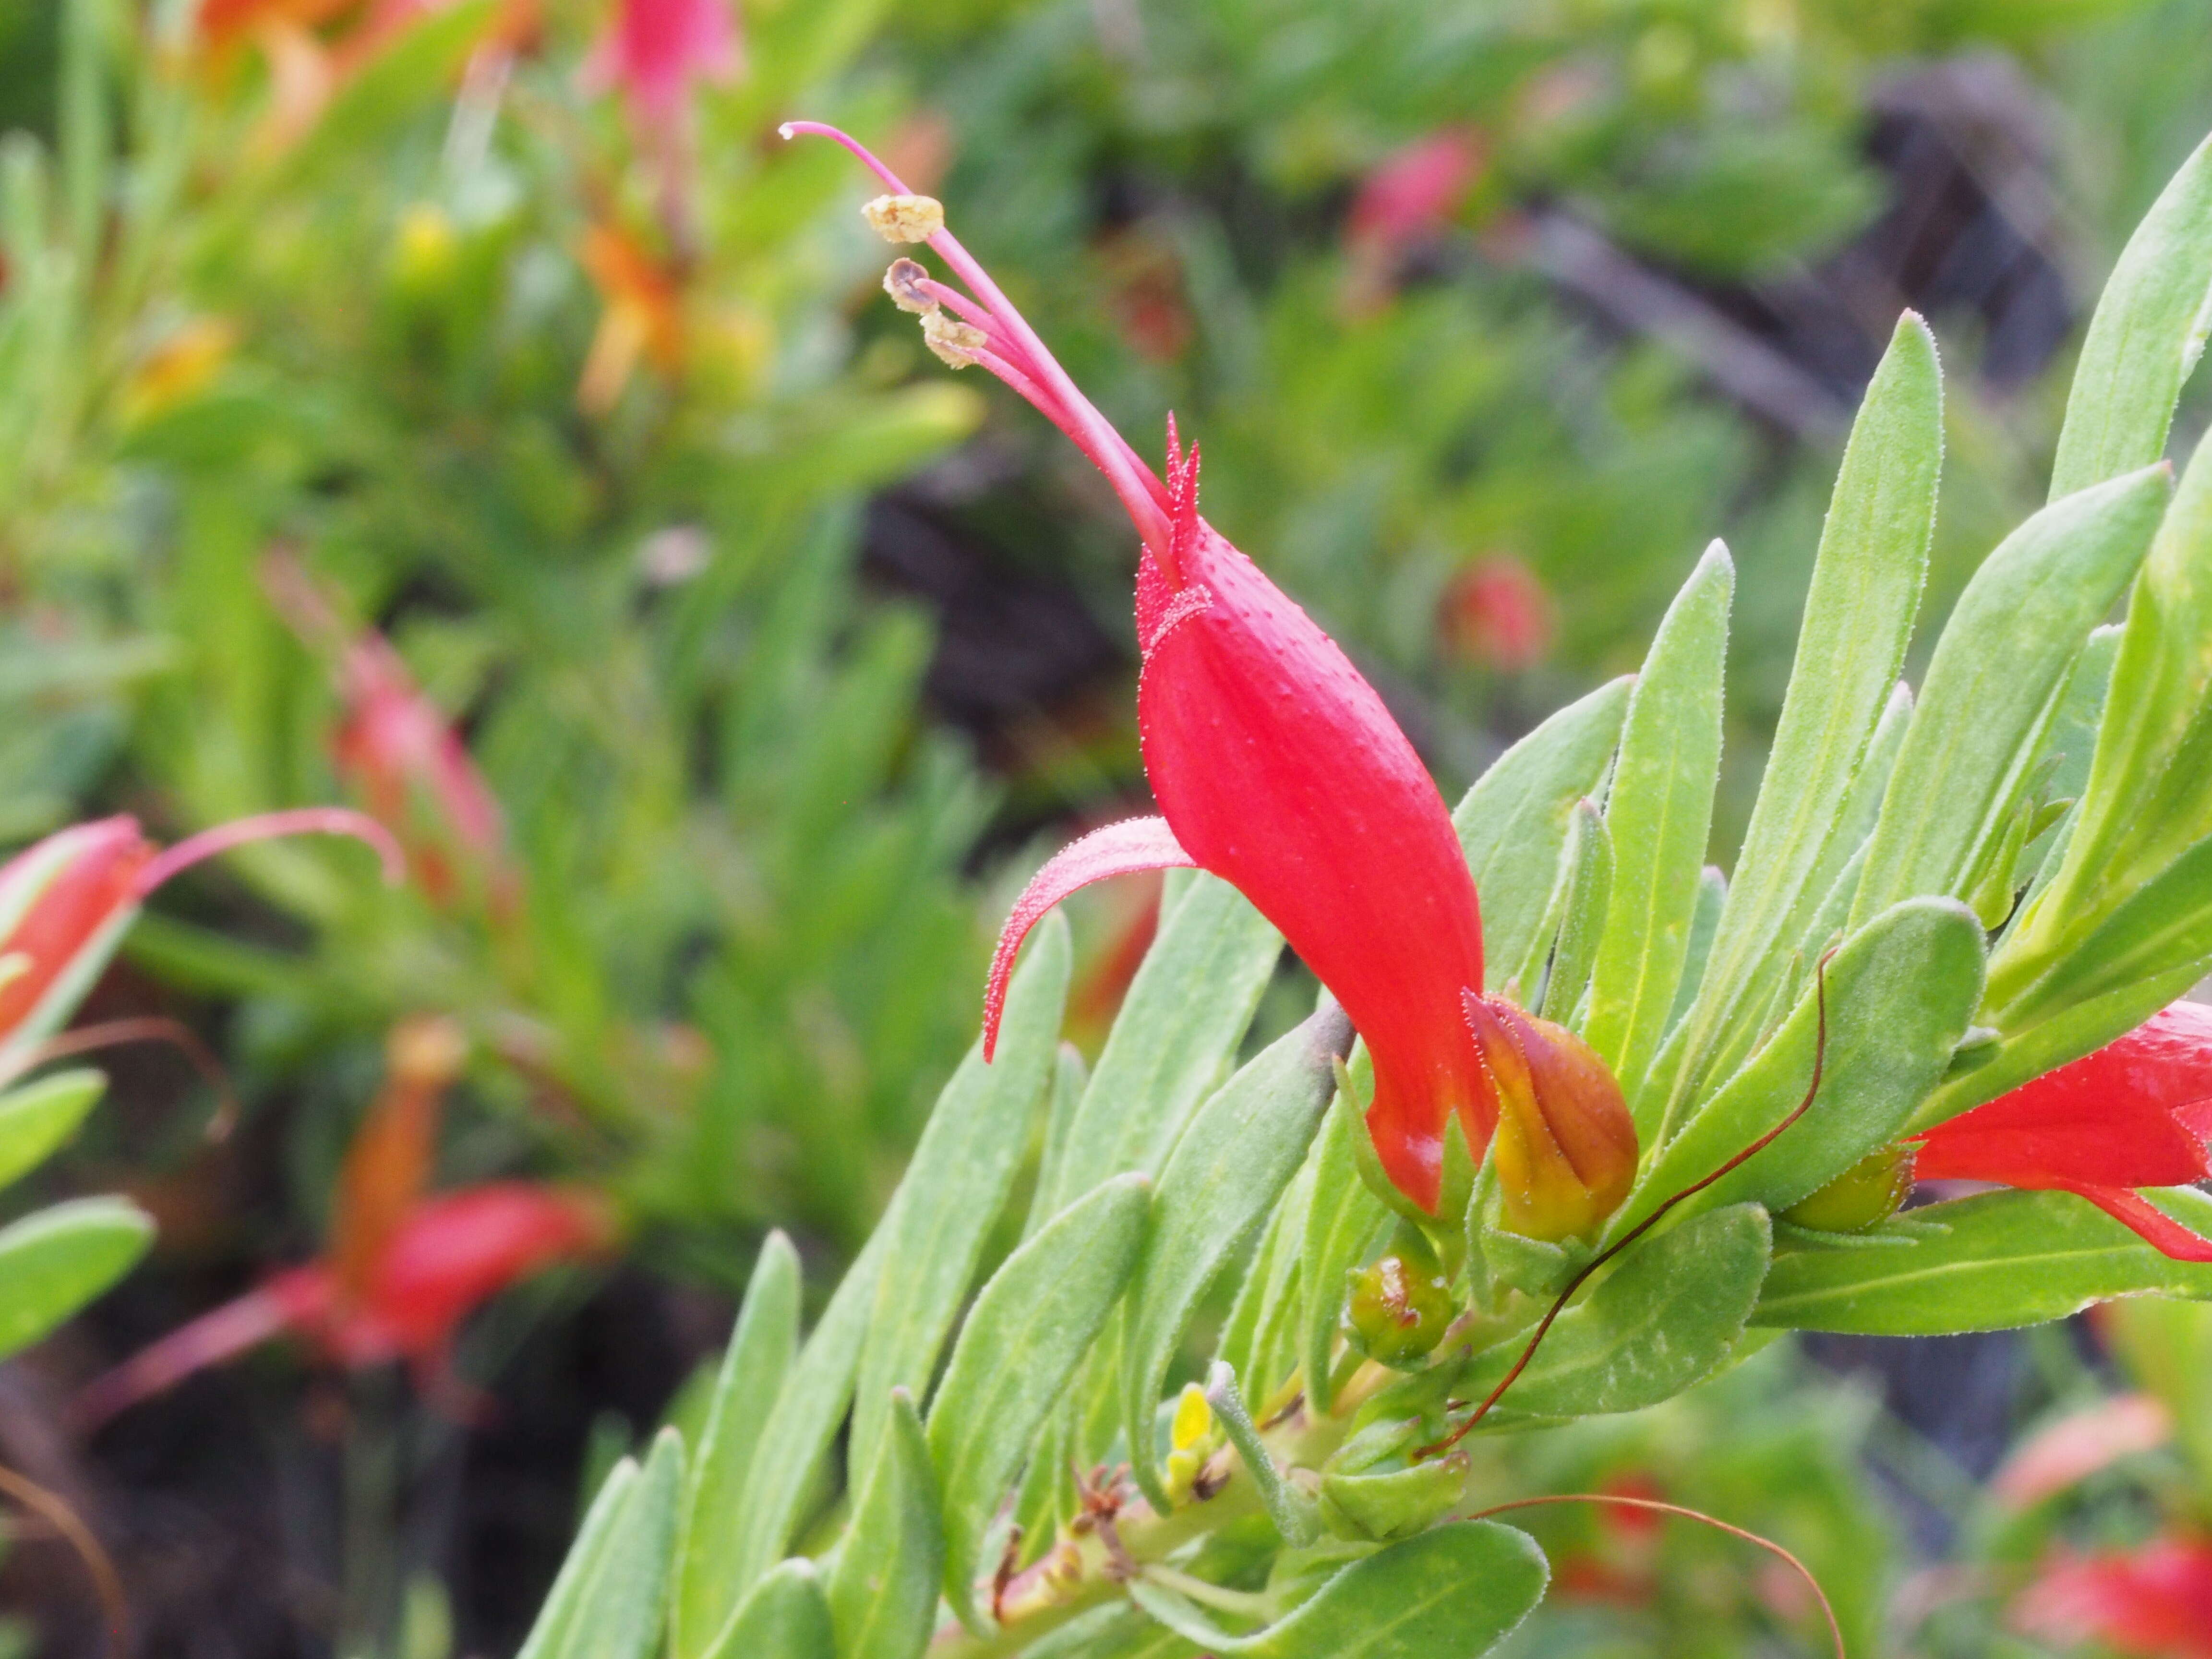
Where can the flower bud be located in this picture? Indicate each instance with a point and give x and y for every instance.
(1565, 1147)
(1398, 1309)
(64, 904)
(1865, 1194)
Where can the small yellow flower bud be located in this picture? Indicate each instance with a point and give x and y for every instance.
(1193, 1419)
(1398, 1310)
(1868, 1193)
(905, 218)
(902, 282)
(1565, 1150)
(955, 342)
(424, 250)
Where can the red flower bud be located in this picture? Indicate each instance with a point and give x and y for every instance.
(64, 903)
(1565, 1152)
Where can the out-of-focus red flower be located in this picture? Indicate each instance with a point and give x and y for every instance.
(2155, 1601)
(388, 1166)
(1410, 195)
(1624, 1569)
(2078, 1445)
(655, 50)
(641, 315)
(1495, 613)
(66, 902)
(1276, 766)
(2135, 1113)
(1096, 996)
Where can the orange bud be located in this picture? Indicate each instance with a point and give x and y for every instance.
(1565, 1147)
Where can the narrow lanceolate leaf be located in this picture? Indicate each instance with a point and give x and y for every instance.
(1705, 922)
(753, 1370)
(1858, 614)
(1454, 1592)
(1176, 1034)
(564, 1605)
(1030, 1328)
(1070, 1075)
(1989, 1262)
(1513, 823)
(808, 1409)
(2143, 338)
(1342, 1217)
(1855, 823)
(1660, 813)
(1664, 1319)
(54, 1260)
(2149, 791)
(37, 1118)
(785, 1617)
(1588, 892)
(1241, 1151)
(621, 1593)
(1900, 993)
(933, 1232)
(1994, 685)
(883, 1588)
(1256, 1316)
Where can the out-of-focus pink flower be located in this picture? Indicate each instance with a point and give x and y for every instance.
(655, 50)
(1495, 613)
(1413, 190)
(2135, 1113)
(2078, 1445)
(2155, 1601)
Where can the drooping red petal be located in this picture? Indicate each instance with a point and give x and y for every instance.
(1281, 771)
(298, 1301)
(1119, 849)
(2079, 1445)
(2134, 1113)
(2159, 1230)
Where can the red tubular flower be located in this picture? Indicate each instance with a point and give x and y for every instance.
(66, 902)
(2155, 1601)
(2136, 1113)
(1276, 766)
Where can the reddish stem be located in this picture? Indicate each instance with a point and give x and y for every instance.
(66, 1522)
(1827, 1611)
(1544, 1325)
(149, 1028)
(267, 826)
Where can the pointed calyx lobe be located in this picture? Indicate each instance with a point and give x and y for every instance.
(2136, 1113)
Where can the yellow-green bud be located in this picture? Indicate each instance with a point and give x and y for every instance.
(1565, 1147)
(1398, 1310)
(1865, 1194)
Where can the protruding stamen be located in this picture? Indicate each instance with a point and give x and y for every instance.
(267, 826)
(955, 342)
(904, 218)
(909, 285)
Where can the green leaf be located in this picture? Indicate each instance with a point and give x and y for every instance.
(1994, 684)
(1665, 1315)
(1176, 1034)
(612, 1606)
(956, 1185)
(1660, 813)
(1258, 1318)
(1289, 1509)
(2143, 339)
(1858, 614)
(1513, 823)
(1030, 1327)
(753, 1370)
(1457, 1590)
(882, 1586)
(785, 1617)
(1069, 1076)
(1984, 1263)
(54, 1260)
(2148, 796)
(1241, 1151)
(1901, 992)
(1705, 922)
(1341, 1219)
(1587, 889)
(37, 1118)
(1854, 824)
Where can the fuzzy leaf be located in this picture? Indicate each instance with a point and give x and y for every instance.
(753, 1369)
(1587, 890)
(558, 1616)
(955, 1186)
(1994, 685)
(1513, 823)
(1989, 1262)
(56, 1260)
(1858, 614)
(613, 1606)
(37, 1118)
(1454, 1592)
(1030, 1328)
(2143, 338)
(1660, 813)
(1176, 1034)
(1341, 1219)
(1664, 1318)
(785, 1617)
(1241, 1151)
(882, 1587)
